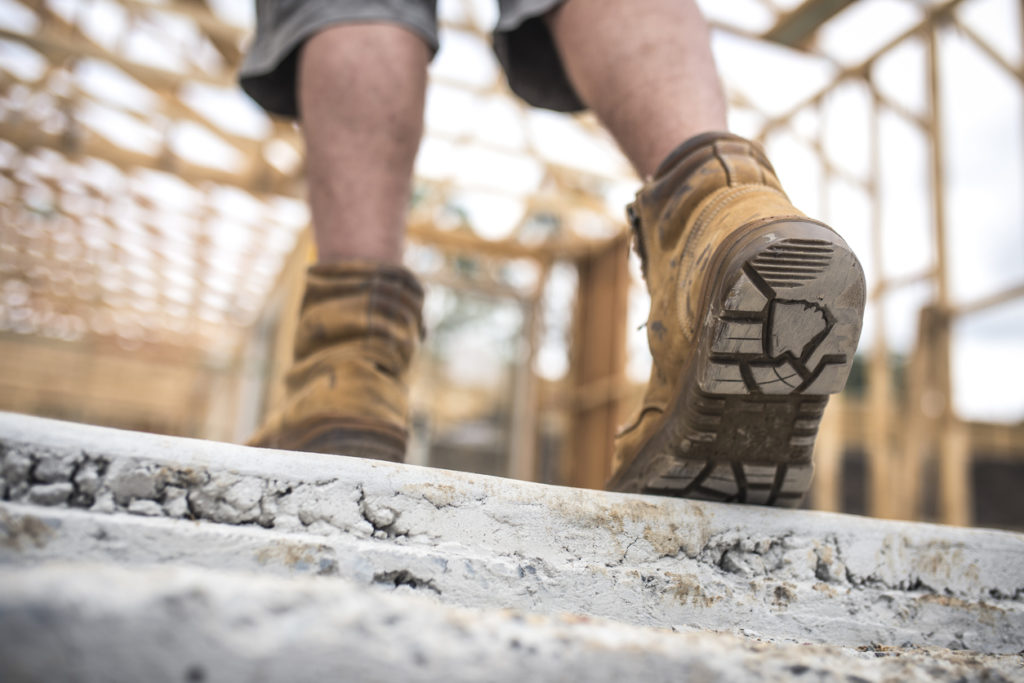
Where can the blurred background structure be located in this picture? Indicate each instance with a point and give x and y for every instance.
(153, 236)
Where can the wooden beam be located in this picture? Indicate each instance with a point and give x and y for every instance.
(1015, 71)
(598, 355)
(522, 447)
(861, 69)
(991, 301)
(797, 27)
(881, 487)
(59, 46)
(827, 486)
(93, 381)
(198, 11)
(466, 241)
(955, 484)
(989, 441)
(261, 181)
(954, 457)
(917, 435)
(253, 166)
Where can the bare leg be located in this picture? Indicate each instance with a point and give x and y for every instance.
(645, 68)
(361, 90)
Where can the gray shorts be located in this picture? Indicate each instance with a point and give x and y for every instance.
(522, 44)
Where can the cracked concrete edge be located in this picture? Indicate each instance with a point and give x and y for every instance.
(30, 535)
(709, 557)
(71, 622)
(169, 476)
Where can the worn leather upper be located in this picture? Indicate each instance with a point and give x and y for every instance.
(358, 329)
(705, 191)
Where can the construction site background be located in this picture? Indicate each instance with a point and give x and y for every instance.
(153, 237)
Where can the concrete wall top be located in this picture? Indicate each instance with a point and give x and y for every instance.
(77, 492)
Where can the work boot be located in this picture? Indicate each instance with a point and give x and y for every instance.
(346, 390)
(755, 315)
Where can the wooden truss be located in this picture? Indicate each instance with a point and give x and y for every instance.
(118, 233)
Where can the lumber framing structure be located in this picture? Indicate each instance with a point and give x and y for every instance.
(90, 254)
(902, 433)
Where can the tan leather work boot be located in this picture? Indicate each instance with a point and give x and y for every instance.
(755, 315)
(346, 391)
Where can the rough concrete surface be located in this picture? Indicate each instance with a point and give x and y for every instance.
(81, 493)
(73, 623)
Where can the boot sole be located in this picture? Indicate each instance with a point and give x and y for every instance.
(782, 320)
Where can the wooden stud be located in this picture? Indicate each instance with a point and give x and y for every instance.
(599, 354)
(826, 488)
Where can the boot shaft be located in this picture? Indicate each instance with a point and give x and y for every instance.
(347, 390)
(709, 189)
(704, 176)
(755, 315)
(365, 308)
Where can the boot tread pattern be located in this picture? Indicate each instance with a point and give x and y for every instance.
(767, 343)
(792, 262)
(738, 483)
(779, 340)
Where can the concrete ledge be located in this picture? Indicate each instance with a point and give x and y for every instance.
(76, 622)
(75, 491)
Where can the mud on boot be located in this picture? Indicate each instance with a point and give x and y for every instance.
(755, 316)
(347, 390)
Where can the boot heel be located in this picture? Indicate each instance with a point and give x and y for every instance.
(742, 449)
(788, 319)
(755, 316)
(780, 333)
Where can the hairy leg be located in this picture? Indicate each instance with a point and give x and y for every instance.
(645, 68)
(361, 91)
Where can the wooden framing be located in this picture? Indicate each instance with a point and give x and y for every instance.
(926, 414)
(599, 363)
(904, 430)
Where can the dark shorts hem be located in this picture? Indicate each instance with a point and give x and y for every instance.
(269, 72)
(522, 44)
(526, 50)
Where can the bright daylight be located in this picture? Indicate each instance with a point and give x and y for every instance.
(520, 340)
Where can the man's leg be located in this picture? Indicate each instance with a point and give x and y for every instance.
(360, 93)
(755, 308)
(645, 68)
(360, 100)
